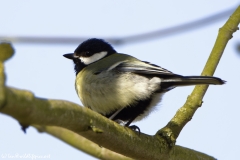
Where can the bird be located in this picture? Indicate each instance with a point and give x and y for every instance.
(122, 87)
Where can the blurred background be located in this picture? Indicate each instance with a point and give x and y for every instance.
(42, 31)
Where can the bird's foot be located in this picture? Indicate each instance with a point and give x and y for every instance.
(135, 128)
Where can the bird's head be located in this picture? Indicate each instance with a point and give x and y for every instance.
(89, 52)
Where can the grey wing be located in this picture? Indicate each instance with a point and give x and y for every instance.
(145, 68)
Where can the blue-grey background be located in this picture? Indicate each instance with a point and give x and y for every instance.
(42, 69)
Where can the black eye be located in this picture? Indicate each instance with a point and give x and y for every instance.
(85, 54)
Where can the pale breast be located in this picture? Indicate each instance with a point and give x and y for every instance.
(105, 95)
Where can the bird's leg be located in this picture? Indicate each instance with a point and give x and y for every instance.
(119, 121)
(114, 114)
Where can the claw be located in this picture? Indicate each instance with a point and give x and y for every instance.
(135, 128)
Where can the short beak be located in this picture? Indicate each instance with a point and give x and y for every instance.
(69, 55)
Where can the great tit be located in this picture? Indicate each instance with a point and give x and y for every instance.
(122, 87)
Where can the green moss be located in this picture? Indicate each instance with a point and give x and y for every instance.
(6, 51)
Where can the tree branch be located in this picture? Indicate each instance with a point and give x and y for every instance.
(6, 52)
(29, 110)
(186, 112)
(80, 143)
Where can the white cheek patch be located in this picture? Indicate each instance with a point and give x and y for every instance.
(93, 58)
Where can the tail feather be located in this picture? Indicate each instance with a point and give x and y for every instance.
(190, 80)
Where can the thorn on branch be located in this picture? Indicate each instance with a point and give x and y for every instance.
(24, 127)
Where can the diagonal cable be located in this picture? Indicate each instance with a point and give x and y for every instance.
(128, 39)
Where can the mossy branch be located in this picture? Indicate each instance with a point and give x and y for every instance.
(186, 112)
(29, 110)
(6, 52)
(80, 143)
